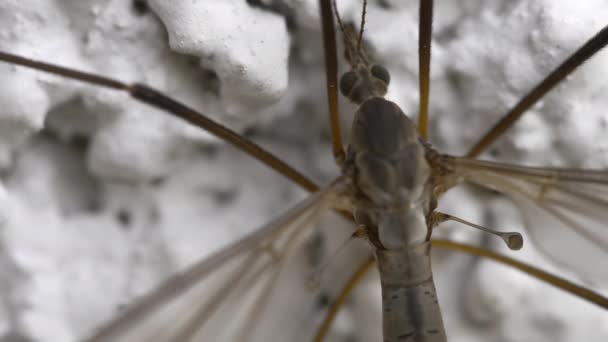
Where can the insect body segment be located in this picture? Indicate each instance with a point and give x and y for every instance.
(364, 80)
(409, 300)
(389, 175)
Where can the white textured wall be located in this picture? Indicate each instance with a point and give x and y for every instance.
(87, 226)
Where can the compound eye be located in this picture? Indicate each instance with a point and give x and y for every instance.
(348, 82)
(381, 73)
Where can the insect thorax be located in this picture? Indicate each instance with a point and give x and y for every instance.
(389, 173)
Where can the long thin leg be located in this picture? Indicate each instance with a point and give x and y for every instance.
(331, 73)
(570, 287)
(591, 47)
(425, 31)
(366, 266)
(155, 98)
(348, 288)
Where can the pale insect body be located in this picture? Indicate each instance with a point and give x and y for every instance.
(388, 175)
(455, 212)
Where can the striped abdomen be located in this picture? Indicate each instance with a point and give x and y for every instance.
(409, 300)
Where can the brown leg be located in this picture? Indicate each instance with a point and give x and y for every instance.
(591, 47)
(331, 72)
(157, 99)
(425, 32)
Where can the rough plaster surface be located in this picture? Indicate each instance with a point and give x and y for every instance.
(112, 196)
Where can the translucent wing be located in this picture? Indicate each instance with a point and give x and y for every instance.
(224, 297)
(566, 210)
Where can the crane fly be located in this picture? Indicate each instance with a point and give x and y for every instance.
(368, 186)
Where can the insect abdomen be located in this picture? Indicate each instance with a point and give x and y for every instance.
(410, 310)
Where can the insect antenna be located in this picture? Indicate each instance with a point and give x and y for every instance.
(334, 6)
(362, 25)
(353, 39)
